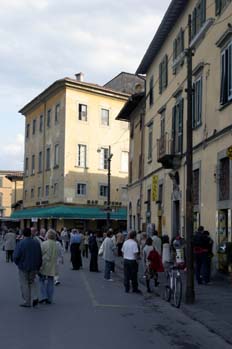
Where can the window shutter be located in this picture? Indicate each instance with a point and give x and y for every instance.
(173, 129)
(174, 49)
(224, 79)
(160, 78)
(102, 159)
(199, 119)
(203, 11)
(217, 7)
(194, 18)
(182, 39)
(165, 71)
(180, 126)
(193, 106)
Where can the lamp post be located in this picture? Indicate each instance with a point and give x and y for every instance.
(108, 209)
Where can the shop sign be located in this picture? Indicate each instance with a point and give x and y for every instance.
(155, 188)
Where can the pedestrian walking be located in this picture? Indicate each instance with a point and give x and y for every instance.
(209, 256)
(166, 255)
(9, 245)
(119, 242)
(65, 238)
(200, 249)
(157, 243)
(108, 253)
(75, 249)
(86, 245)
(146, 250)
(60, 260)
(48, 268)
(154, 266)
(28, 258)
(93, 248)
(130, 252)
(42, 235)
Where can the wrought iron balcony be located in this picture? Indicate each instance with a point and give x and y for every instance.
(166, 154)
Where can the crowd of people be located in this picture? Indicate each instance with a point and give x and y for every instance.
(38, 255)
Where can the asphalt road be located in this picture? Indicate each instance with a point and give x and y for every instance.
(90, 312)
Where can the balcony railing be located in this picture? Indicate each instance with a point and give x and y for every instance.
(165, 154)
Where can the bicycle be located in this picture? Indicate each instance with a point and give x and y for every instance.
(173, 288)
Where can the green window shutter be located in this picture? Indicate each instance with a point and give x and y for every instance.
(160, 78)
(165, 71)
(199, 116)
(182, 39)
(217, 7)
(173, 150)
(194, 18)
(193, 106)
(180, 126)
(174, 49)
(203, 11)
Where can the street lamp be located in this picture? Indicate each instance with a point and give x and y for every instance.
(108, 208)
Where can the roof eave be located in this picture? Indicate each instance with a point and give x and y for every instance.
(173, 12)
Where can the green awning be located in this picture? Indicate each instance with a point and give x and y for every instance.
(69, 212)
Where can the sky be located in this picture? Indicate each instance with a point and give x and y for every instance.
(45, 40)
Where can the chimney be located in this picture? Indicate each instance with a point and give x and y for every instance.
(79, 77)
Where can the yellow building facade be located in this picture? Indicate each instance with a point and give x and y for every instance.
(163, 193)
(11, 192)
(68, 130)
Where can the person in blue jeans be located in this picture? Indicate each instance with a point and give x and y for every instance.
(49, 267)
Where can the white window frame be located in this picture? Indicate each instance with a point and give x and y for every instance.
(150, 142)
(33, 164)
(105, 188)
(57, 113)
(79, 187)
(197, 102)
(40, 162)
(39, 192)
(105, 117)
(49, 116)
(104, 155)
(82, 112)
(82, 155)
(56, 155)
(48, 159)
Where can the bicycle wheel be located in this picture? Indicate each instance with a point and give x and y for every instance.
(177, 294)
(167, 290)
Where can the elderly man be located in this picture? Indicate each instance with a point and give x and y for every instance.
(130, 252)
(28, 258)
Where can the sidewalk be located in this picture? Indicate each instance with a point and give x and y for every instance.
(213, 305)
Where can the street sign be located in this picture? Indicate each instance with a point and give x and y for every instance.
(229, 152)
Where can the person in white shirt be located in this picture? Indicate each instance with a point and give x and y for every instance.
(130, 252)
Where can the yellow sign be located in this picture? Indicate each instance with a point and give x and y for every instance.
(229, 152)
(155, 188)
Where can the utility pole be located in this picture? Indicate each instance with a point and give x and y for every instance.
(109, 189)
(190, 293)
